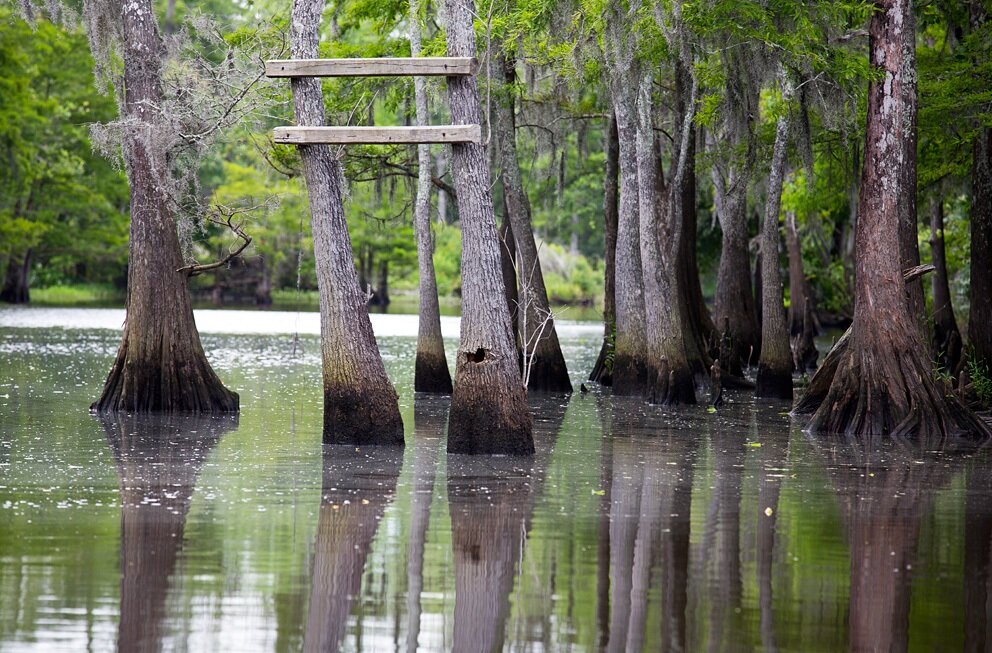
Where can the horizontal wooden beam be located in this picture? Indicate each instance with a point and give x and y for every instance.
(378, 135)
(373, 67)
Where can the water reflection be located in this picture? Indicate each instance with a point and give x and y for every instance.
(430, 416)
(977, 550)
(158, 459)
(491, 501)
(358, 485)
(885, 491)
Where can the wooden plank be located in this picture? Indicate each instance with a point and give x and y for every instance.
(378, 135)
(374, 67)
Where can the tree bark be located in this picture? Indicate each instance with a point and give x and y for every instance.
(548, 372)
(980, 316)
(601, 371)
(160, 364)
(775, 365)
(884, 384)
(15, 285)
(431, 368)
(489, 411)
(946, 336)
(802, 321)
(360, 404)
(734, 306)
(669, 372)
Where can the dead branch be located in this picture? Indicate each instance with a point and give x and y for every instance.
(225, 217)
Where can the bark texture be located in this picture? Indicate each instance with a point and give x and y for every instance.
(946, 336)
(802, 320)
(489, 412)
(431, 369)
(980, 319)
(360, 404)
(160, 364)
(775, 365)
(884, 384)
(15, 284)
(602, 372)
(538, 336)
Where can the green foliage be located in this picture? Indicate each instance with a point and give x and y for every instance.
(981, 379)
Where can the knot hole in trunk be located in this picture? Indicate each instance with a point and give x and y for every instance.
(477, 357)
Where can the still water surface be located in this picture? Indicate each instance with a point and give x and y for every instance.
(633, 528)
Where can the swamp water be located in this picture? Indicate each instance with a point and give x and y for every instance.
(633, 528)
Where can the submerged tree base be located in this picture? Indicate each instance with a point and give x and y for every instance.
(601, 372)
(773, 384)
(364, 416)
(629, 374)
(431, 374)
(548, 372)
(485, 416)
(186, 385)
(673, 387)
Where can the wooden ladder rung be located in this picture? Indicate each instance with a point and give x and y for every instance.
(373, 67)
(378, 135)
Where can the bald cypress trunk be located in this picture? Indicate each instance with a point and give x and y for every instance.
(669, 372)
(601, 372)
(431, 369)
(884, 383)
(15, 288)
(360, 404)
(946, 336)
(775, 365)
(548, 372)
(489, 412)
(980, 318)
(160, 364)
(802, 322)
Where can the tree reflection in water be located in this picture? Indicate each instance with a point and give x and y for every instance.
(358, 485)
(886, 490)
(491, 501)
(158, 459)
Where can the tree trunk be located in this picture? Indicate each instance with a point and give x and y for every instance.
(360, 404)
(946, 336)
(15, 286)
(489, 412)
(358, 486)
(383, 285)
(263, 291)
(884, 384)
(601, 371)
(802, 323)
(775, 365)
(431, 368)
(669, 373)
(537, 328)
(507, 256)
(980, 317)
(160, 364)
(734, 307)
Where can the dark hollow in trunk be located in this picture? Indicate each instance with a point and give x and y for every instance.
(538, 336)
(158, 459)
(946, 336)
(775, 364)
(431, 368)
(358, 486)
(602, 370)
(160, 364)
(884, 384)
(360, 404)
(980, 318)
(489, 412)
(15, 284)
